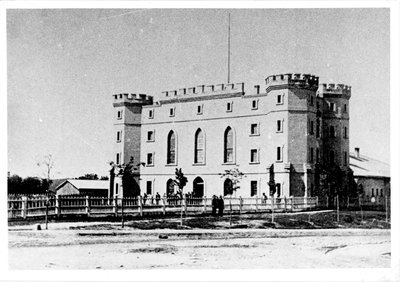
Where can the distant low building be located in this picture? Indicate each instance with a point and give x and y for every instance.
(83, 187)
(372, 176)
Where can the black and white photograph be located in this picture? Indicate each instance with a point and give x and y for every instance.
(234, 137)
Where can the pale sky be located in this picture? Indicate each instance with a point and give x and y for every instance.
(64, 65)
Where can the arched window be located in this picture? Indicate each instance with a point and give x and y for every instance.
(198, 187)
(228, 187)
(170, 187)
(228, 145)
(199, 147)
(171, 148)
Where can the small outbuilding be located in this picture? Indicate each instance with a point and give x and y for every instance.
(98, 188)
(372, 176)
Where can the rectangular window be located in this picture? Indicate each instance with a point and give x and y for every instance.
(332, 106)
(150, 159)
(253, 188)
(279, 125)
(278, 190)
(116, 188)
(381, 192)
(118, 158)
(372, 192)
(119, 136)
(311, 158)
(279, 99)
(279, 156)
(119, 114)
(311, 127)
(200, 109)
(331, 157)
(229, 107)
(345, 108)
(345, 132)
(254, 129)
(254, 156)
(150, 136)
(254, 104)
(151, 114)
(172, 112)
(317, 128)
(311, 100)
(317, 156)
(344, 158)
(331, 131)
(149, 186)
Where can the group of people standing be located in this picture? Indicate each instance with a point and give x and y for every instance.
(217, 203)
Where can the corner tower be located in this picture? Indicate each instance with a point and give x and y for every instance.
(293, 97)
(127, 130)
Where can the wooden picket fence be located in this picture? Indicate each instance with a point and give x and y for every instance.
(56, 206)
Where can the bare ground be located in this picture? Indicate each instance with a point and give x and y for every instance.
(165, 244)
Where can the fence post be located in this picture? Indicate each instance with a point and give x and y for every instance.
(140, 202)
(284, 199)
(205, 204)
(386, 208)
(24, 207)
(58, 206)
(337, 206)
(256, 203)
(163, 204)
(185, 204)
(87, 207)
(272, 207)
(115, 207)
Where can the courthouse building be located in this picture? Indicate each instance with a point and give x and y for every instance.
(278, 130)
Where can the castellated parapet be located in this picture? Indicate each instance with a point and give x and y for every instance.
(336, 89)
(204, 90)
(133, 98)
(297, 80)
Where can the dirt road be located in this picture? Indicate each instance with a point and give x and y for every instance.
(217, 249)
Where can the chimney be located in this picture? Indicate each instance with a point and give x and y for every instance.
(357, 150)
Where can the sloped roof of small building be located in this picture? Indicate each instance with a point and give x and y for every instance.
(366, 166)
(86, 184)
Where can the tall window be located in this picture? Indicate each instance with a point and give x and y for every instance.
(150, 159)
(253, 188)
(345, 132)
(199, 147)
(118, 158)
(344, 158)
(254, 156)
(171, 147)
(279, 153)
(228, 145)
(279, 125)
(149, 185)
(331, 131)
(119, 114)
(317, 128)
(311, 127)
(331, 157)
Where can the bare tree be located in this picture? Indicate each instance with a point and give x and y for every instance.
(47, 163)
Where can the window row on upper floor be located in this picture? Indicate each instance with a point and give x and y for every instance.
(199, 153)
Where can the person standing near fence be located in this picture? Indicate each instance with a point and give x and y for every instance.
(214, 204)
(158, 197)
(264, 198)
(221, 206)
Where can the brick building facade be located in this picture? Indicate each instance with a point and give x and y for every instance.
(282, 130)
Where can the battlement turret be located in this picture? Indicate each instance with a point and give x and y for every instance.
(204, 90)
(133, 98)
(297, 80)
(336, 89)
